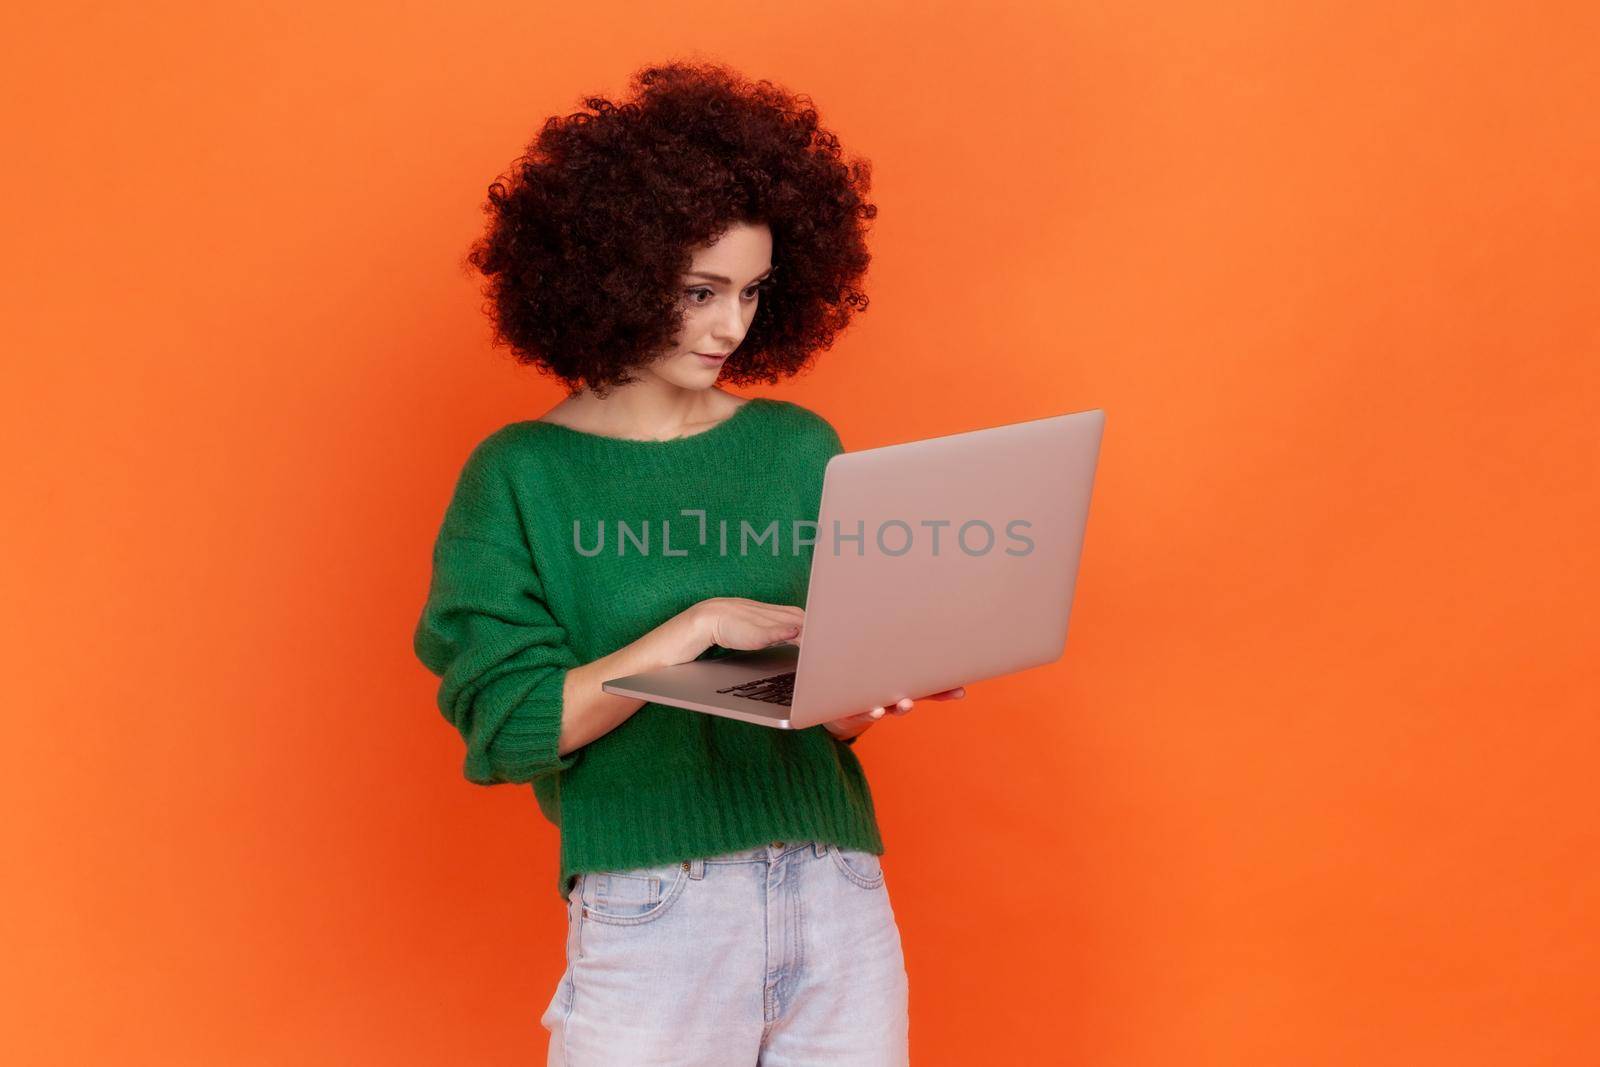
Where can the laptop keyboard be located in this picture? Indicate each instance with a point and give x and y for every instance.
(779, 689)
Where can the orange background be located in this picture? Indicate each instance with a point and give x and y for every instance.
(1316, 780)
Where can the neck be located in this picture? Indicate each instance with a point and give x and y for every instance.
(651, 407)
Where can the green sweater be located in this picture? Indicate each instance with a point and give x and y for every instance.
(518, 597)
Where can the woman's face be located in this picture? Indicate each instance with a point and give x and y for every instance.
(720, 293)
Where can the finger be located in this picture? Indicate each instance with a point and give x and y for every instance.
(861, 718)
(905, 704)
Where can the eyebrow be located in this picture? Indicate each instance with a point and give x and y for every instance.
(726, 281)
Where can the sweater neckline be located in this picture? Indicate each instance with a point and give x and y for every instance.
(640, 443)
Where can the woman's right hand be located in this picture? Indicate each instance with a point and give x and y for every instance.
(737, 623)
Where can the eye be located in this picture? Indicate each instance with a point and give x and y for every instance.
(750, 293)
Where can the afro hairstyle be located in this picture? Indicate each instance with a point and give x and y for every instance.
(590, 233)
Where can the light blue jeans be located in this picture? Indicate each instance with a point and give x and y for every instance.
(779, 956)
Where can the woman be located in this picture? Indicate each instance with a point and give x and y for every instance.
(725, 899)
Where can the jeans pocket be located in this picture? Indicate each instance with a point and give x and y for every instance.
(633, 896)
(862, 868)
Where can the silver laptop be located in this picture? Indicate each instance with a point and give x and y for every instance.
(936, 563)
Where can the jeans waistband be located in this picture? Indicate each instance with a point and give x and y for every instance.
(770, 851)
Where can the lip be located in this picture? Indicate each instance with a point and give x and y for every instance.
(714, 359)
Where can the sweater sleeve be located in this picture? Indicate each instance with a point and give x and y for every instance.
(486, 631)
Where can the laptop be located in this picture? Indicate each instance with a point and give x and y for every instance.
(935, 563)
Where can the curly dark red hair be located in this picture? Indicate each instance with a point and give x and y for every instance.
(589, 235)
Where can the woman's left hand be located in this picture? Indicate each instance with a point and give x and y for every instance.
(855, 725)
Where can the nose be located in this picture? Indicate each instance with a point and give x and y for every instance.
(729, 327)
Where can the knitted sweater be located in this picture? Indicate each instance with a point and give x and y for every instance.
(557, 548)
